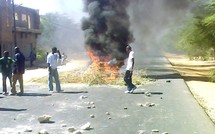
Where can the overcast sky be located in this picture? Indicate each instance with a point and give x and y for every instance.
(74, 8)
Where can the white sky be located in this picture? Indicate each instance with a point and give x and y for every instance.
(74, 8)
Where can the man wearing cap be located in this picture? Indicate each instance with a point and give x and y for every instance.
(18, 71)
(52, 60)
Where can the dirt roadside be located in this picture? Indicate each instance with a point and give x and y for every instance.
(195, 74)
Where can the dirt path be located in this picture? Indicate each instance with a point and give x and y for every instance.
(196, 73)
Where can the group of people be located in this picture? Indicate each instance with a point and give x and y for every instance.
(54, 56)
(13, 69)
(16, 72)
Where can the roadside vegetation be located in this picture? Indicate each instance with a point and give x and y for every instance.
(197, 36)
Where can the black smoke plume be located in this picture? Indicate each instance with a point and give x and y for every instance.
(106, 30)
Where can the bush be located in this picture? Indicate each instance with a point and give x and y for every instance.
(212, 75)
(41, 54)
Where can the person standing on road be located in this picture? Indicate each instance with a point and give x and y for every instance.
(6, 69)
(129, 71)
(32, 58)
(18, 71)
(52, 60)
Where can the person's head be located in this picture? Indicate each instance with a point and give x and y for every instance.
(16, 49)
(128, 49)
(54, 50)
(6, 54)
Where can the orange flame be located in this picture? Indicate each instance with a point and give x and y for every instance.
(101, 64)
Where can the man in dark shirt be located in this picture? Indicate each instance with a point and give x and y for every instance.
(6, 69)
(18, 71)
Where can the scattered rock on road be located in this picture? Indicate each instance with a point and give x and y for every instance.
(148, 94)
(43, 131)
(45, 119)
(71, 129)
(28, 129)
(83, 97)
(77, 132)
(86, 126)
(155, 130)
(92, 116)
(142, 132)
(63, 125)
(149, 104)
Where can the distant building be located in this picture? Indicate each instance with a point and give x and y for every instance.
(23, 33)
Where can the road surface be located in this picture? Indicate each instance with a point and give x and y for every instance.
(163, 106)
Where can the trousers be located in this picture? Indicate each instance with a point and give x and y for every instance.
(18, 77)
(128, 80)
(54, 73)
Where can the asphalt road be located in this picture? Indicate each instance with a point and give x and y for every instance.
(174, 109)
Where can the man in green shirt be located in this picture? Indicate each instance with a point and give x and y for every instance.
(6, 69)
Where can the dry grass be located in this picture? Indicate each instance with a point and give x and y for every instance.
(96, 77)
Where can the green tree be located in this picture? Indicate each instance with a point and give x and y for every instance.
(198, 34)
(59, 30)
(48, 28)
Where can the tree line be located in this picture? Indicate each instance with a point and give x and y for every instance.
(197, 36)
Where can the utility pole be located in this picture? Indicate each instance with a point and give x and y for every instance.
(14, 24)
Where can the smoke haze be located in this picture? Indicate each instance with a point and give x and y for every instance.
(113, 24)
(153, 20)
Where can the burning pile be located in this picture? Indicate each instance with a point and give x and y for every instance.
(107, 34)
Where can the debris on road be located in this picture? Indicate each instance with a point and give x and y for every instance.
(77, 132)
(107, 113)
(149, 104)
(45, 119)
(92, 116)
(63, 125)
(28, 129)
(43, 131)
(141, 131)
(71, 129)
(86, 126)
(83, 97)
(155, 130)
(148, 94)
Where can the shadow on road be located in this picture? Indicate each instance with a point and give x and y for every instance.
(12, 109)
(74, 92)
(35, 94)
(165, 76)
(152, 93)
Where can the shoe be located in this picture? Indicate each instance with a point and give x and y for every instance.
(132, 90)
(12, 94)
(5, 93)
(51, 91)
(20, 93)
(60, 91)
(127, 92)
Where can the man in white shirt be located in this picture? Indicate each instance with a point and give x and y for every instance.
(52, 60)
(129, 71)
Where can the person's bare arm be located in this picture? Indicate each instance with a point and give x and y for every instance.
(132, 64)
(59, 54)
